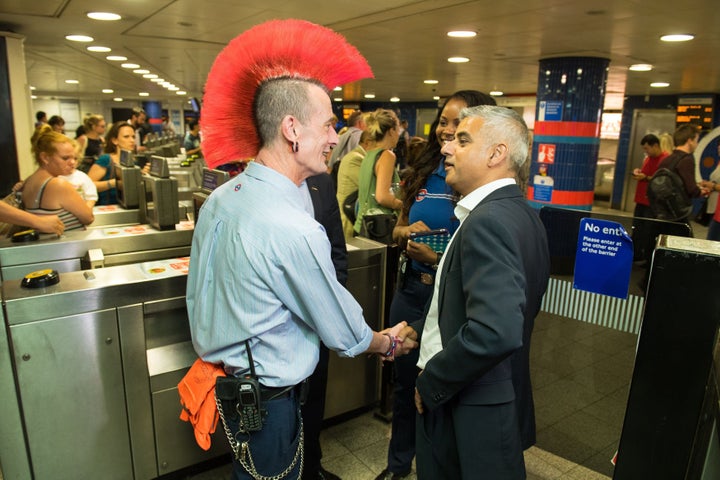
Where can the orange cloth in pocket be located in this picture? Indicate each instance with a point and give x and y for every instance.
(197, 396)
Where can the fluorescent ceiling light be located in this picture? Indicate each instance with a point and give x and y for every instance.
(141, 71)
(394, 99)
(659, 84)
(150, 75)
(458, 59)
(106, 16)
(130, 65)
(431, 82)
(108, 90)
(641, 67)
(157, 80)
(369, 95)
(72, 82)
(462, 34)
(338, 99)
(496, 93)
(181, 92)
(116, 58)
(144, 94)
(117, 99)
(337, 89)
(678, 37)
(79, 38)
(32, 88)
(173, 88)
(436, 97)
(99, 49)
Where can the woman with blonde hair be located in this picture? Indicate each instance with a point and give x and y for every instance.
(120, 137)
(91, 142)
(377, 172)
(44, 192)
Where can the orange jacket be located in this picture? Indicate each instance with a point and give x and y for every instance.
(197, 396)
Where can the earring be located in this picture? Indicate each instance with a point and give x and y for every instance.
(295, 147)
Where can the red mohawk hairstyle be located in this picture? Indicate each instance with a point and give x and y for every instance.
(278, 48)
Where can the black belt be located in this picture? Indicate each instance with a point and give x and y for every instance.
(271, 393)
(424, 277)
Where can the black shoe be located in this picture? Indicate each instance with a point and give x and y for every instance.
(325, 475)
(388, 475)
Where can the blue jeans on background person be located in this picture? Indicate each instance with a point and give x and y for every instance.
(408, 304)
(272, 448)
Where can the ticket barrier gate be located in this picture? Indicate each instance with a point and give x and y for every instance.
(89, 368)
(92, 248)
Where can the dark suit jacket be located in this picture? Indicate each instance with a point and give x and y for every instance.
(492, 282)
(327, 213)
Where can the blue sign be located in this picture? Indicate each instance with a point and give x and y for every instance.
(542, 188)
(604, 258)
(550, 111)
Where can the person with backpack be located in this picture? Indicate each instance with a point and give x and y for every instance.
(654, 154)
(670, 198)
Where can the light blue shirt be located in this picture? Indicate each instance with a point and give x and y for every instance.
(260, 269)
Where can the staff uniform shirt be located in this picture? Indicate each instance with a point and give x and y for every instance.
(434, 205)
(260, 269)
(431, 342)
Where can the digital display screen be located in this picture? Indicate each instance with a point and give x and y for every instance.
(212, 179)
(697, 111)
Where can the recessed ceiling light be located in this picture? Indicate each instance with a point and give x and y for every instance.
(79, 38)
(99, 49)
(108, 90)
(32, 88)
(141, 71)
(436, 97)
(394, 99)
(33, 97)
(144, 94)
(641, 67)
(431, 82)
(496, 93)
(116, 58)
(337, 89)
(458, 59)
(107, 16)
(117, 99)
(72, 82)
(338, 99)
(181, 92)
(462, 34)
(659, 84)
(130, 65)
(369, 95)
(679, 37)
(150, 75)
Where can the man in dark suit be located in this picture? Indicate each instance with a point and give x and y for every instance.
(473, 395)
(326, 211)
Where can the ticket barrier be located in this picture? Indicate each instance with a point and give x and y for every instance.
(92, 248)
(89, 368)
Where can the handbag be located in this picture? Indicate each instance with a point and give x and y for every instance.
(14, 199)
(378, 227)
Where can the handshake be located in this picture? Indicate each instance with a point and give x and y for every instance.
(399, 340)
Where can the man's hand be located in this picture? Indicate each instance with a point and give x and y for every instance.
(418, 399)
(405, 337)
(48, 224)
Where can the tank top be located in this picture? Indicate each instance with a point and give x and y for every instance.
(70, 221)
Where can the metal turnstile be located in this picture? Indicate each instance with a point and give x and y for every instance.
(89, 370)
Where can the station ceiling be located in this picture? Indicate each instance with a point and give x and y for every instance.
(405, 43)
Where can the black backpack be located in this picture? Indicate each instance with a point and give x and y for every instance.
(349, 206)
(667, 195)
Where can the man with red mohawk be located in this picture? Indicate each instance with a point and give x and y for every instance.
(262, 290)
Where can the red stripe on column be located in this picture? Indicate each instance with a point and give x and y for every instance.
(566, 197)
(567, 129)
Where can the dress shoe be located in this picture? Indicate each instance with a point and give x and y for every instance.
(325, 475)
(388, 475)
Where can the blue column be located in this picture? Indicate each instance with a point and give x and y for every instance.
(570, 97)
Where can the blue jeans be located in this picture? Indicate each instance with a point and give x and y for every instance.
(272, 448)
(408, 304)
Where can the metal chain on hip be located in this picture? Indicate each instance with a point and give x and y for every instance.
(241, 450)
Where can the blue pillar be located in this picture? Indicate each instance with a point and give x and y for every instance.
(570, 97)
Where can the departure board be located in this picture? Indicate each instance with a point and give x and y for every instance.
(697, 111)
